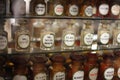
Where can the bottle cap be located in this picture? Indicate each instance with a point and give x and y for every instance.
(57, 58)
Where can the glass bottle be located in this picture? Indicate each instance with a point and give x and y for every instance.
(106, 70)
(115, 8)
(2, 7)
(86, 38)
(104, 35)
(22, 37)
(20, 67)
(91, 66)
(103, 8)
(40, 71)
(57, 70)
(68, 38)
(38, 7)
(116, 34)
(47, 37)
(3, 38)
(72, 8)
(76, 71)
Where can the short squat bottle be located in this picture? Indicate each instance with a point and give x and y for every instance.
(22, 38)
(76, 71)
(57, 70)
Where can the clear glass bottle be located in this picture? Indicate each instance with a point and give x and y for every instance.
(76, 71)
(86, 38)
(68, 38)
(22, 37)
(57, 70)
(47, 37)
(3, 38)
(38, 7)
(104, 36)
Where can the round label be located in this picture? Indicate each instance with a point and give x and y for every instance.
(104, 9)
(59, 76)
(104, 38)
(69, 39)
(20, 77)
(1, 78)
(115, 9)
(118, 38)
(109, 73)
(59, 9)
(40, 9)
(93, 74)
(73, 10)
(88, 39)
(3, 42)
(79, 75)
(40, 76)
(89, 11)
(118, 72)
(48, 40)
(24, 41)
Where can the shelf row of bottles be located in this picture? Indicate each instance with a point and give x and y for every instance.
(48, 34)
(82, 8)
(65, 66)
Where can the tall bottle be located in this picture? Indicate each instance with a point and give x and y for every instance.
(86, 38)
(3, 38)
(22, 37)
(38, 7)
(47, 37)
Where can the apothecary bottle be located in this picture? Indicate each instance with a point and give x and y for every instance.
(39, 68)
(57, 69)
(38, 7)
(106, 70)
(47, 37)
(76, 71)
(104, 36)
(22, 37)
(3, 38)
(68, 38)
(86, 38)
(91, 66)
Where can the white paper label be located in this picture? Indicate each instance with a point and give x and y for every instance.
(79, 75)
(59, 9)
(48, 40)
(88, 39)
(93, 74)
(69, 39)
(109, 73)
(3, 42)
(40, 76)
(118, 38)
(104, 9)
(20, 77)
(1, 78)
(118, 72)
(89, 11)
(115, 9)
(59, 76)
(104, 38)
(73, 10)
(24, 41)
(40, 9)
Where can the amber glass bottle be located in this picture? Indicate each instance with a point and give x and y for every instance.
(91, 67)
(106, 70)
(40, 71)
(57, 70)
(76, 71)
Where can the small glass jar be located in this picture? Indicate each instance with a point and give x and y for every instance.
(106, 70)
(76, 71)
(39, 68)
(57, 70)
(91, 66)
